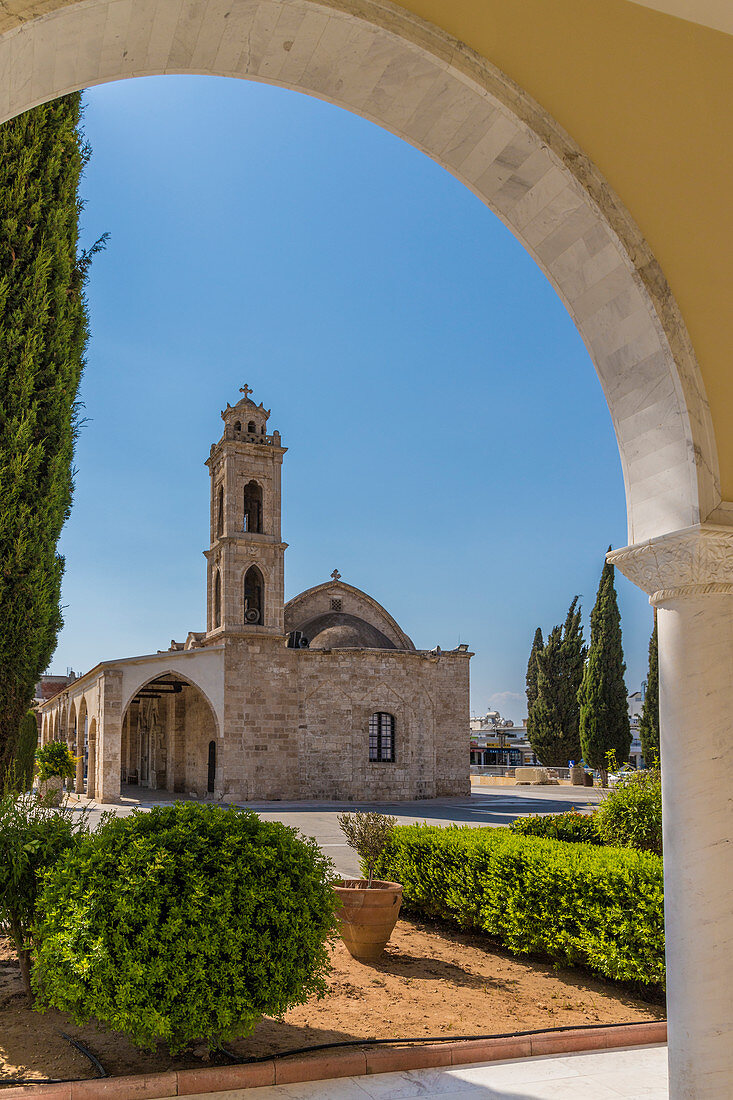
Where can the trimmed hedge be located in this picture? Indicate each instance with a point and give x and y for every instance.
(570, 826)
(574, 903)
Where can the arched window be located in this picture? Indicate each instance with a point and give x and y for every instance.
(252, 427)
(237, 425)
(254, 597)
(217, 599)
(381, 737)
(253, 507)
(220, 512)
(211, 776)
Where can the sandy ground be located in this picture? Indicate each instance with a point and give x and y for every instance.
(431, 981)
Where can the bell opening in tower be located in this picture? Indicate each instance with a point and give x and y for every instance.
(254, 588)
(253, 508)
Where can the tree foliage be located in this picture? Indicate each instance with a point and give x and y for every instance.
(43, 335)
(21, 775)
(56, 760)
(552, 724)
(32, 838)
(605, 730)
(531, 678)
(186, 922)
(649, 724)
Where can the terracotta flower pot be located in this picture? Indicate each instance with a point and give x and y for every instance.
(367, 915)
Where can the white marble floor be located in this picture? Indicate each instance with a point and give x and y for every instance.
(638, 1073)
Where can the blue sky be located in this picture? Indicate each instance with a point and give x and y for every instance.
(450, 449)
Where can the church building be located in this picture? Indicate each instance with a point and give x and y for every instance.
(322, 697)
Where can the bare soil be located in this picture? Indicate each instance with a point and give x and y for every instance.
(431, 981)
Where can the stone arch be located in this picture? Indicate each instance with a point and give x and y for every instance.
(169, 722)
(81, 745)
(410, 77)
(334, 603)
(147, 680)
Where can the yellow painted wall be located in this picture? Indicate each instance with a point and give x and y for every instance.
(649, 98)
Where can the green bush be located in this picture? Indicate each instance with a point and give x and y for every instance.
(575, 903)
(55, 759)
(32, 838)
(186, 922)
(572, 826)
(631, 814)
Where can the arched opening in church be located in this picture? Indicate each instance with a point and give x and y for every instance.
(169, 738)
(254, 596)
(251, 427)
(253, 507)
(220, 513)
(92, 760)
(211, 774)
(217, 599)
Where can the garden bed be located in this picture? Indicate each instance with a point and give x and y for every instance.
(432, 981)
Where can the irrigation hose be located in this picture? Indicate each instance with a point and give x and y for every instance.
(419, 1039)
(234, 1060)
(101, 1071)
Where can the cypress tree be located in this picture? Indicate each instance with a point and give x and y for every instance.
(25, 754)
(649, 724)
(604, 713)
(43, 335)
(531, 678)
(552, 725)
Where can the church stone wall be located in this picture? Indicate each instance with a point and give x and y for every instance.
(296, 723)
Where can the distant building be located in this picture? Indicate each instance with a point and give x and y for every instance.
(497, 741)
(636, 702)
(48, 686)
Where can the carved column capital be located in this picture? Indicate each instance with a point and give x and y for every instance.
(692, 562)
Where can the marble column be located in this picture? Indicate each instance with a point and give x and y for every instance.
(689, 578)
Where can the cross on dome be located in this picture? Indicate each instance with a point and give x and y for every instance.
(246, 390)
(336, 575)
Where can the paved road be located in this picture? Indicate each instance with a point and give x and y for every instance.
(486, 806)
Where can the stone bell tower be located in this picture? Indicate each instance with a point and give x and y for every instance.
(245, 576)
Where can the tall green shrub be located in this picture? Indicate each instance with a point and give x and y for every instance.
(187, 922)
(631, 815)
(25, 753)
(552, 725)
(605, 730)
(43, 334)
(32, 838)
(649, 724)
(574, 903)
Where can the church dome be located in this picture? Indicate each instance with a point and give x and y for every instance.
(345, 632)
